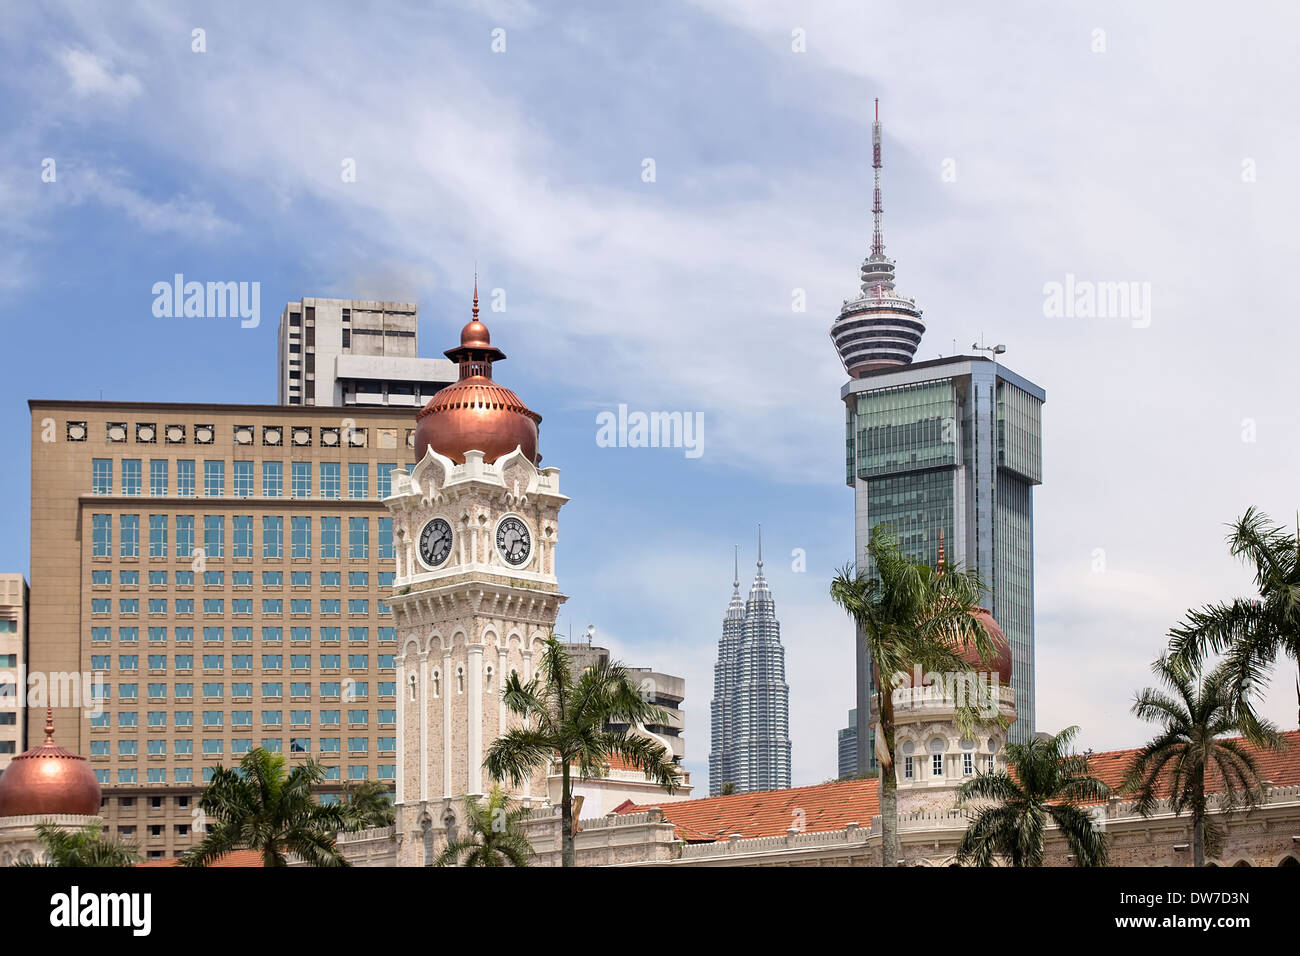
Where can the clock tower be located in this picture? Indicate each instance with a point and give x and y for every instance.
(475, 593)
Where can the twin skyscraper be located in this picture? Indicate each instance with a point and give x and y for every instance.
(751, 700)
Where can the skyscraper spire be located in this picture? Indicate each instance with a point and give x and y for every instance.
(735, 582)
(760, 548)
(877, 236)
(879, 328)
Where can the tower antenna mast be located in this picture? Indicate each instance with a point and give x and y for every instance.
(877, 237)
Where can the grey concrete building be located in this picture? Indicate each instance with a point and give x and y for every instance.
(662, 690)
(348, 352)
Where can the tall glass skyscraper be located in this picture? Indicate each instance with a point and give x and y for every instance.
(751, 700)
(953, 447)
(949, 447)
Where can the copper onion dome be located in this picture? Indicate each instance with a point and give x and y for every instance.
(475, 412)
(49, 780)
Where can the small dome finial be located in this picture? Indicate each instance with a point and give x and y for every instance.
(49, 725)
(476, 293)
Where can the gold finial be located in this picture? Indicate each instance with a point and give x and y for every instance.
(49, 725)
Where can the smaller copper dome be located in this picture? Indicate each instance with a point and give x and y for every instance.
(48, 780)
(475, 335)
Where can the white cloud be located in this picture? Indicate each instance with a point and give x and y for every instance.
(92, 76)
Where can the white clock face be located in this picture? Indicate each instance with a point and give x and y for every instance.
(514, 543)
(435, 542)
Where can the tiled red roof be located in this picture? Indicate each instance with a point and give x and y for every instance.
(826, 806)
(1280, 767)
(829, 806)
(241, 858)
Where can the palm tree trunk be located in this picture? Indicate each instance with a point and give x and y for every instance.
(567, 856)
(1198, 818)
(888, 789)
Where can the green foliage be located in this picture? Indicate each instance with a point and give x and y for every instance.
(260, 807)
(1011, 814)
(82, 847)
(567, 719)
(910, 616)
(367, 804)
(1250, 633)
(496, 837)
(1195, 714)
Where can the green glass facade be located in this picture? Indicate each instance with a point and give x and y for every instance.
(952, 446)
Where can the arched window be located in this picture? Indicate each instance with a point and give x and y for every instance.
(487, 679)
(1289, 861)
(937, 747)
(967, 757)
(909, 766)
(436, 679)
(411, 681)
(426, 836)
(460, 679)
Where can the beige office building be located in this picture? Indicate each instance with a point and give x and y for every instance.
(349, 352)
(13, 651)
(207, 579)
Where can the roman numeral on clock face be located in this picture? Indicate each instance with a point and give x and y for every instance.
(514, 542)
(435, 542)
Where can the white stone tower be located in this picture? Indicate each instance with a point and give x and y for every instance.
(475, 594)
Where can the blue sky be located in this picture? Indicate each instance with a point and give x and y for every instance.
(1123, 163)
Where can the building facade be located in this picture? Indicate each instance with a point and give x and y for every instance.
(846, 747)
(950, 449)
(350, 352)
(751, 704)
(661, 690)
(13, 666)
(207, 579)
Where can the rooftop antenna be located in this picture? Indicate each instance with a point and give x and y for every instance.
(996, 350)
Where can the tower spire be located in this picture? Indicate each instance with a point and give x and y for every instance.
(476, 293)
(735, 582)
(877, 236)
(760, 547)
(878, 328)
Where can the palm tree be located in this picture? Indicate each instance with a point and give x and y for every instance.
(910, 616)
(568, 719)
(367, 805)
(1250, 632)
(1194, 717)
(495, 835)
(84, 847)
(259, 807)
(1013, 812)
